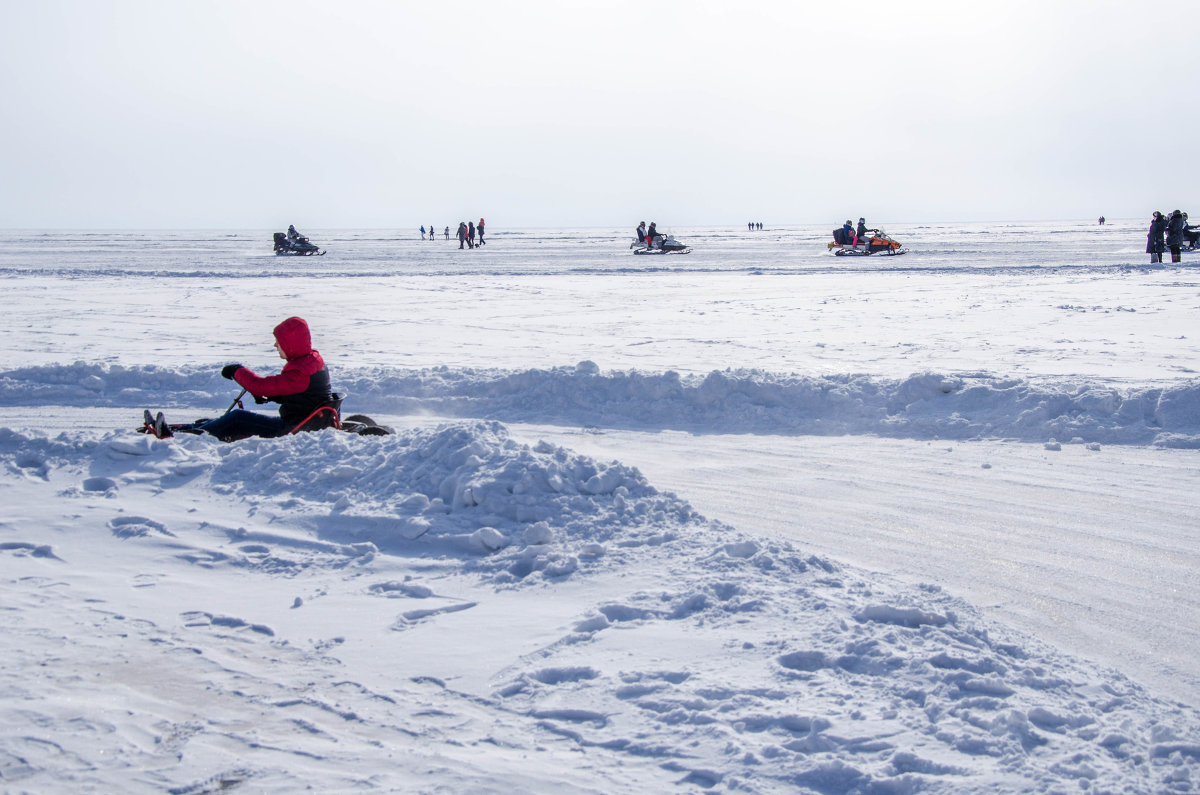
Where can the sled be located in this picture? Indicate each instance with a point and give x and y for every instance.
(326, 416)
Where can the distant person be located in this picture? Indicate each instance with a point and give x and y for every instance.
(479, 229)
(447, 233)
(651, 233)
(750, 227)
(1154, 238)
(641, 232)
(861, 231)
(300, 389)
(431, 231)
(293, 235)
(462, 235)
(760, 226)
(470, 234)
(423, 232)
(1102, 220)
(1175, 235)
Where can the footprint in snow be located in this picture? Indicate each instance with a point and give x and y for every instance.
(562, 675)
(397, 590)
(199, 618)
(23, 548)
(410, 617)
(137, 527)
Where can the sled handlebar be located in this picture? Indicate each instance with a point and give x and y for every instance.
(237, 401)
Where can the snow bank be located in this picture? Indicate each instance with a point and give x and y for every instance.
(923, 406)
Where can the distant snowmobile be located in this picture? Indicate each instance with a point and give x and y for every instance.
(660, 245)
(877, 243)
(298, 245)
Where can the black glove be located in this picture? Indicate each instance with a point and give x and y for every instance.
(228, 370)
(261, 400)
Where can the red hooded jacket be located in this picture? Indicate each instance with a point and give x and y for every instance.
(304, 383)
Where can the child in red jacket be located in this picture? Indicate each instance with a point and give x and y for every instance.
(301, 388)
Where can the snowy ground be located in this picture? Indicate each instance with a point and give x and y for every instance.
(754, 519)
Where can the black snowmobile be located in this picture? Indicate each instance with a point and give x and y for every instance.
(298, 245)
(1191, 236)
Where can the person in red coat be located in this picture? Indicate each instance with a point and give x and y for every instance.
(301, 388)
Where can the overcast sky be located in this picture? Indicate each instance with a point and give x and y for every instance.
(247, 114)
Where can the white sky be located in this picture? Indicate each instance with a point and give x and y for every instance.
(247, 114)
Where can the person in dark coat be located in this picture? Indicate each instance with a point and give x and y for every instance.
(861, 231)
(1155, 246)
(641, 232)
(470, 234)
(300, 389)
(1175, 236)
(462, 234)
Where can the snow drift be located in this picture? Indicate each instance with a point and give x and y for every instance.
(923, 406)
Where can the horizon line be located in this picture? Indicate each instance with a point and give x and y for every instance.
(1092, 222)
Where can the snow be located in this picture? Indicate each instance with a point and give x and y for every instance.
(751, 519)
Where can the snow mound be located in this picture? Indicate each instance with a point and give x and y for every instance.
(922, 406)
(458, 489)
(465, 490)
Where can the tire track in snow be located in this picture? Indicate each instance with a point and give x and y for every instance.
(1028, 535)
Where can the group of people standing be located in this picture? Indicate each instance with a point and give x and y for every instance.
(468, 232)
(753, 225)
(1170, 232)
